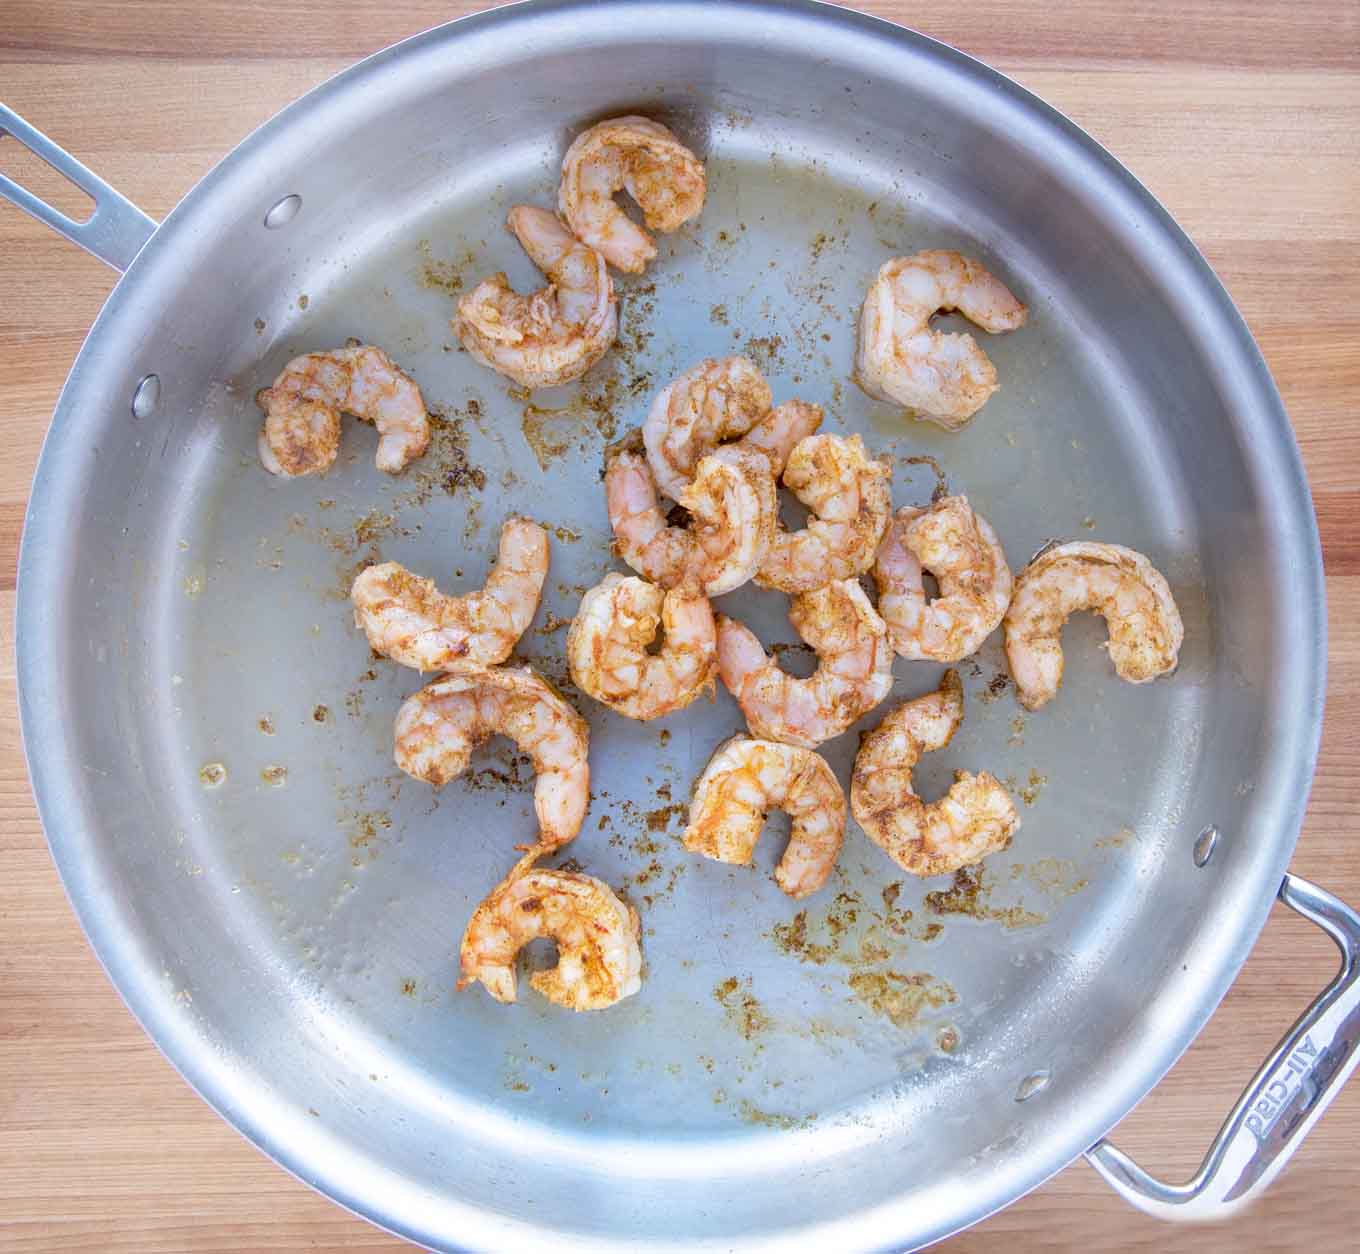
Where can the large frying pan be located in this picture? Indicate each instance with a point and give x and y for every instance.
(291, 948)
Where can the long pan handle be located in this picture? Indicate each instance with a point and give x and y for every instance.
(1285, 1099)
(114, 232)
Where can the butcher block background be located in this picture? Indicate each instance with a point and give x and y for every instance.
(1242, 118)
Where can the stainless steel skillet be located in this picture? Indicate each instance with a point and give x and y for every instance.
(290, 947)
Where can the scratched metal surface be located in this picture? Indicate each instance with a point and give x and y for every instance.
(301, 912)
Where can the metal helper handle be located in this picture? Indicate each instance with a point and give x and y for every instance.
(1287, 1096)
(114, 232)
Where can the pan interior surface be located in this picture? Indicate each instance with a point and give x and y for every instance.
(282, 907)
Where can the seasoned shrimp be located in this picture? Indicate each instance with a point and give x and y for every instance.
(853, 675)
(1120, 585)
(598, 960)
(301, 432)
(732, 507)
(743, 781)
(438, 728)
(974, 818)
(409, 620)
(944, 378)
(557, 333)
(607, 647)
(659, 172)
(958, 547)
(850, 499)
(714, 402)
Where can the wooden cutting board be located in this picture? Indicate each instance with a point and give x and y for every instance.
(1242, 117)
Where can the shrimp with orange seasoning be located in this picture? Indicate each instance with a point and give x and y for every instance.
(732, 507)
(634, 153)
(557, 333)
(1119, 584)
(598, 959)
(301, 432)
(943, 378)
(607, 647)
(438, 727)
(849, 498)
(976, 817)
(743, 781)
(854, 671)
(409, 620)
(958, 547)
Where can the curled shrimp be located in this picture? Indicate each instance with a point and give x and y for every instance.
(608, 640)
(598, 959)
(714, 402)
(944, 378)
(850, 500)
(742, 782)
(409, 620)
(732, 507)
(958, 547)
(438, 728)
(659, 172)
(301, 432)
(976, 817)
(1120, 585)
(557, 333)
(853, 675)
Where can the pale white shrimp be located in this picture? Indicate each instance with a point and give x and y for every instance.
(958, 546)
(743, 781)
(598, 959)
(732, 507)
(557, 333)
(694, 413)
(853, 675)
(1120, 585)
(609, 637)
(664, 177)
(974, 818)
(409, 620)
(301, 432)
(438, 727)
(943, 378)
(850, 499)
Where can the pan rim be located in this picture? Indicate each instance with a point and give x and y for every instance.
(1245, 378)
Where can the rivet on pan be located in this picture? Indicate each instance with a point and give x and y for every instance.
(283, 212)
(1034, 1083)
(147, 396)
(1205, 844)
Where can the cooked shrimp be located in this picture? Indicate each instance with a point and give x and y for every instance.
(438, 728)
(853, 675)
(743, 781)
(598, 960)
(409, 620)
(974, 818)
(607, 647)
(1120, 585)
(958, 547)
(732, 507)
(944, 378)
(301, 432)
(557, 333)
(850, 500)
(659, 172)
(717, 401)
(712, 402)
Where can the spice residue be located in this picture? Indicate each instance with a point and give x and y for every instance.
(212, 775)
(744, 1011)
(901, 997)
(969, 894)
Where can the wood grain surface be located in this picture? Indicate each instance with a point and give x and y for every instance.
(1242, 117)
